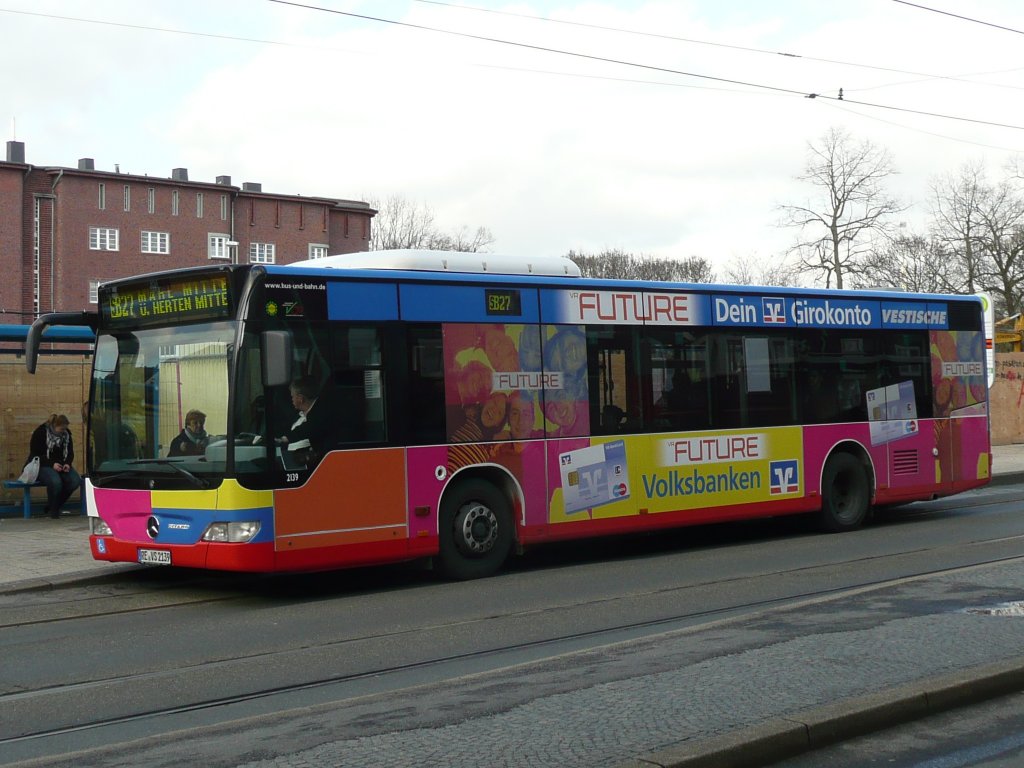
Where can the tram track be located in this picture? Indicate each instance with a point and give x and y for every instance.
(334, 686)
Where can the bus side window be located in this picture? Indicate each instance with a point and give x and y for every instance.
(358, 384)
(613, 380)
(425, 401)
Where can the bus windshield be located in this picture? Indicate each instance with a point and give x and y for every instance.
(160, 405)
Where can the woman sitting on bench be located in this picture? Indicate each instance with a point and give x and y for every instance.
(52, 443)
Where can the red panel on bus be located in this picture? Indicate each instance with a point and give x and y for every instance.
(353, 497)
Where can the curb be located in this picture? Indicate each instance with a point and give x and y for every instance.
(42, 583)
(785, 737)
(1007, 478)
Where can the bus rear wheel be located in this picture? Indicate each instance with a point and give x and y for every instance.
(845, 494)
(475, 531)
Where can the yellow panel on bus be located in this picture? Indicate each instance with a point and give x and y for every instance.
(618, 477)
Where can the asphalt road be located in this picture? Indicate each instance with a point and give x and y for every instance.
(582, 654)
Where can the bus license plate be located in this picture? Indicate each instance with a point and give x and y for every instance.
(154, 557)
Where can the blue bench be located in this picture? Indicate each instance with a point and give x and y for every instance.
(26, 502)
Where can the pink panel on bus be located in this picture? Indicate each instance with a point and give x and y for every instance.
(427, 470)
(970, 442)
(432, 468)
(819, 442)
(125, 512)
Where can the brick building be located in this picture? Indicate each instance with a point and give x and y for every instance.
(65, 230)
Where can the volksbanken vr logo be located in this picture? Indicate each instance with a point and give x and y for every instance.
(774, 310)
(784, 476)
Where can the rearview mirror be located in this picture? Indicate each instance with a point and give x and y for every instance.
(277, 358)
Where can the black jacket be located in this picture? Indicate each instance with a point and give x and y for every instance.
(47, 458)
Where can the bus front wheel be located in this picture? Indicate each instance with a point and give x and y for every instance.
(475, 531)
(845, 495)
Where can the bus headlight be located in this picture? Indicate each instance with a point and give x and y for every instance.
(99, 527)
(234, 533)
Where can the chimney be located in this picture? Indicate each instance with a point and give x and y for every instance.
(252, 186)
(86, 164)
(224, 180)
(15, 151)
(180, 174)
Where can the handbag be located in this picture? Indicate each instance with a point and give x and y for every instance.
(30, 473)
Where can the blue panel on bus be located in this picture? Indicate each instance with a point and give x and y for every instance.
(786, 311)
(833, 313)
(751, 310)
(469, 303)
(362, 301)
(906, 314)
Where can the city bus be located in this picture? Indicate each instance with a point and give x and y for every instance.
(457, 408)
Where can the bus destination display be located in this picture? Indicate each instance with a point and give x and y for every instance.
(503, 302)
(183, 299)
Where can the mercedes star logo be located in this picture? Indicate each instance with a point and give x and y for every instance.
(153, 527)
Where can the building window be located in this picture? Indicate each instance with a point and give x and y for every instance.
(127, 197)
(94, 289)
(261, 253)
(346, 224)
(156, 242)
(151, 200)
(103, 197)
(102, 239)
(199, 205)
(175, 202)
(317, 250)
(223, 207)
(277, 214)
(217, 246)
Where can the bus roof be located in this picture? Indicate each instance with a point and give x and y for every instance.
(414, 260)
(448, 266)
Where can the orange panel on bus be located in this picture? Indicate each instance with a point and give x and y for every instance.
(353, 497)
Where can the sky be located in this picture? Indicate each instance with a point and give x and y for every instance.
(666, 128)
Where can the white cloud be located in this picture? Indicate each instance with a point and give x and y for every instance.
(549, 152)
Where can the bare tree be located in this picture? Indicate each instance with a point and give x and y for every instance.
(618, 264)
(462, 240)
(1003, 239)
(837, 234)
(982, 226)
(401, 223)
(957, 225)
(907, 263)
(750, 270)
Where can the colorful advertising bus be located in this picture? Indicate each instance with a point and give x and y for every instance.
(404, 405)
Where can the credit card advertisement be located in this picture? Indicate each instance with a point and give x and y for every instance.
(594, 476)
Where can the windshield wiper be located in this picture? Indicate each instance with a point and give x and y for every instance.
(198, 482)
(99, 482)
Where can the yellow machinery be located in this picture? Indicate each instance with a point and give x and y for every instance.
(1011, 335)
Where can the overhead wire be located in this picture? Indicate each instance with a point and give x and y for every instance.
(746, 49)
(623, 62)
(592, 57)
(534, 47)
(840, 106)
(958, 16)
